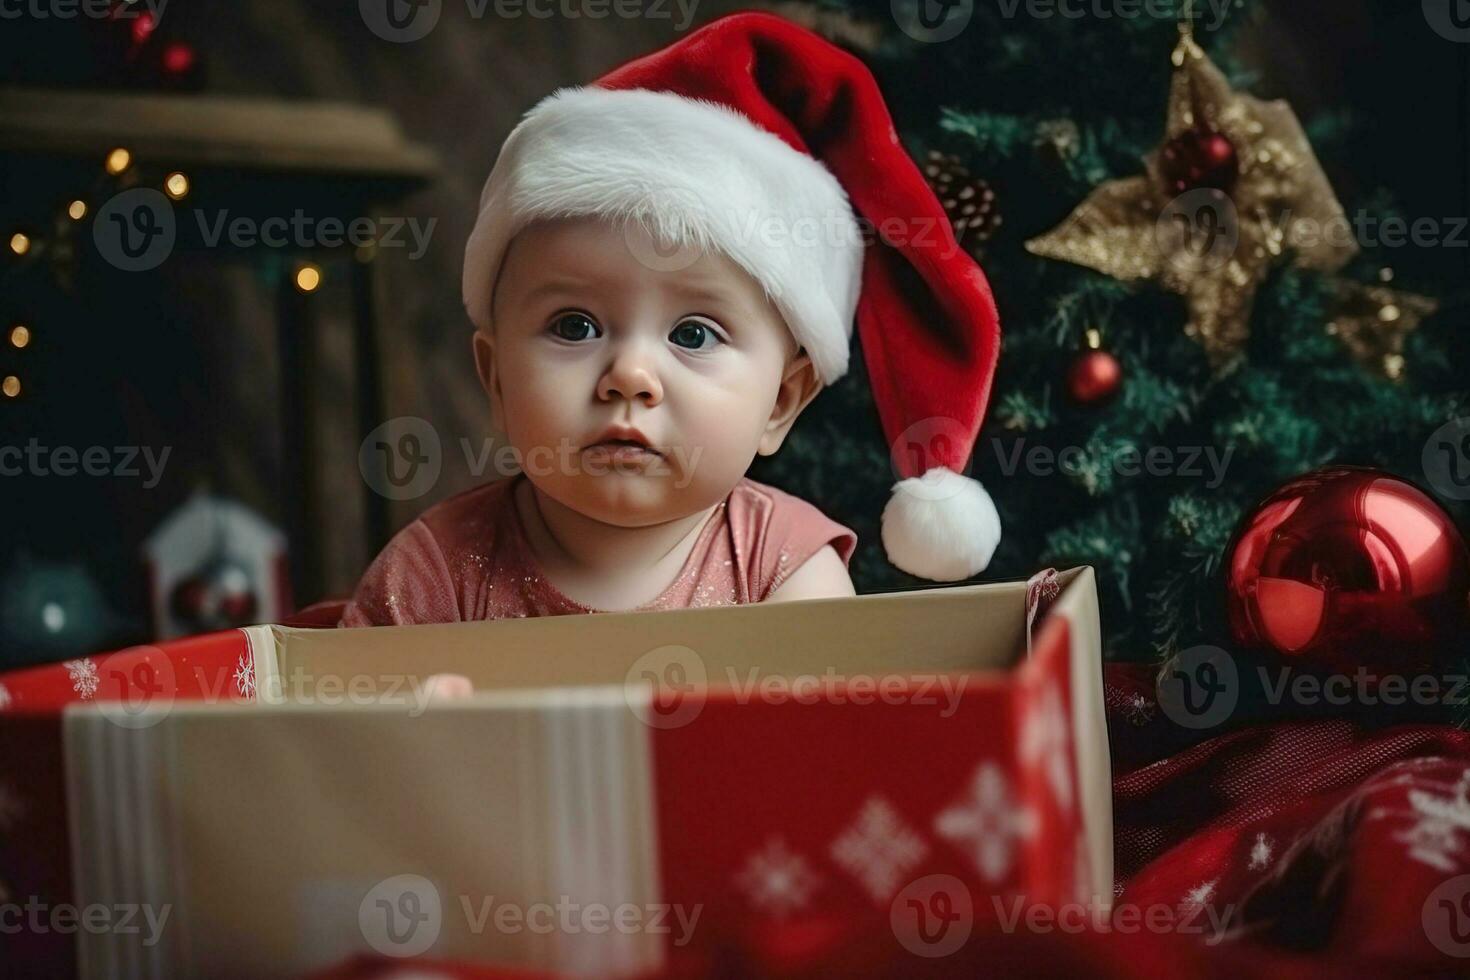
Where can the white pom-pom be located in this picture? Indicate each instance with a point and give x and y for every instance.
(941, 526)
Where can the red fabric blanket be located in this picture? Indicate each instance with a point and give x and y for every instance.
(1329, 848)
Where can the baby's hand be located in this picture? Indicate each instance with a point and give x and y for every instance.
(448, 687)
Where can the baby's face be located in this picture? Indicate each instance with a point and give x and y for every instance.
(586, 336)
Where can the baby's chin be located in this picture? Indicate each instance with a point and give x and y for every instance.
(632, 500)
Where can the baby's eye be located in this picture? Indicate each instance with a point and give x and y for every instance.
(574, 326)
(695, 335)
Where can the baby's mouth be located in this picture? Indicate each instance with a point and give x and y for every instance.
(623, 448)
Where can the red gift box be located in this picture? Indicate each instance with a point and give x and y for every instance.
(35, 863)
(759, 785)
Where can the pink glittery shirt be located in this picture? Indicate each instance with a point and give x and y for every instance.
(468, 558)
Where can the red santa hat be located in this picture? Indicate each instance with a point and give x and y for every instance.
(761, 140)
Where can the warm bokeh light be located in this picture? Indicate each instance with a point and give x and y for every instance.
(77, 210)
(20, 335)
(11, 386)
(308, 277)
(118, 161)
(20, 243)
(176, 185)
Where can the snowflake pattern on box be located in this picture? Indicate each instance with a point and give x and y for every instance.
(83, 674)
(1434, 838)
(1138, 709)
(988, 822)
(1045, 735)
(1261, 853)
(878, 849)
(777, 880)
(245, 676)
(1198, 897)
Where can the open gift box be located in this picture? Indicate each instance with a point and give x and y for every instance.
(624, 792)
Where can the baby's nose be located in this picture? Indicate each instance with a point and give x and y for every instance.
(632, 376)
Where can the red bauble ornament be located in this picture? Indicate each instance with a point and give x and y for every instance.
(1094, 377)
(1349, 567)
(178, 58)
(142, 28)
(1196, 158)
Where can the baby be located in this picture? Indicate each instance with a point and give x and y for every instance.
(662, 277)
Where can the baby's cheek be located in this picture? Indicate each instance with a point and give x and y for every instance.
(538, 404)
(726, 426)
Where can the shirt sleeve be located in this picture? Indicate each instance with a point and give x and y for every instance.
(795, 532)
(408, 583)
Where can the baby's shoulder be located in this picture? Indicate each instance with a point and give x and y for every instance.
(772, 522)
(754, 499)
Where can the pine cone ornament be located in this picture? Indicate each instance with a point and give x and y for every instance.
(968, 200)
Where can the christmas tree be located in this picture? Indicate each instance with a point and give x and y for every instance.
(1154, 384)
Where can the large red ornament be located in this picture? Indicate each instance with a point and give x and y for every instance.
(1349, 567)
(1197, 158)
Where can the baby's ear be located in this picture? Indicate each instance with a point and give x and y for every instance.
(488, 370)
(799, 385)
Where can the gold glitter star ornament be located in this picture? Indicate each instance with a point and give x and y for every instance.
(1234, 188)
(1373, 321)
